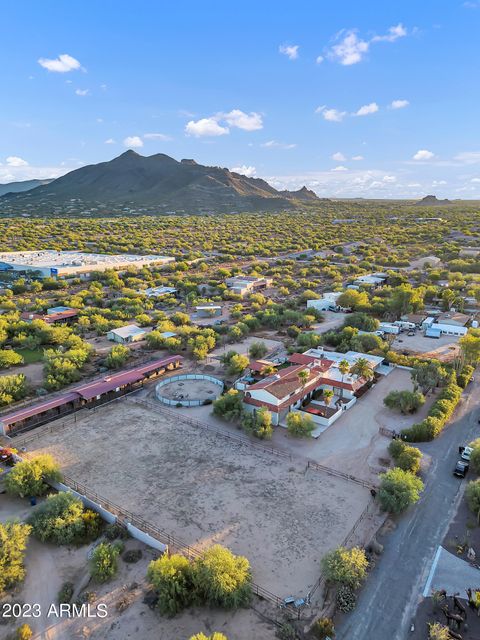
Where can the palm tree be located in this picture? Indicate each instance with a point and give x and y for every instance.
(344, 368)
(327, 396)
(268, 370)
(303, 377)
(362, 369)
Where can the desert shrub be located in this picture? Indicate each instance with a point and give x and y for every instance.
(259, 423)
(345, 566)
(65, 594)
(257, 350)
(406, 457)
(475, 455)
(28, 478)
(132, 555)
(24, 632)
(346, 598)
(299, 425)
(62, 519)
(103, 563)
(404, 401)
(229, 405)
(117, 356)
(437, 631)
(216, 635)
(463, 378)
(398, 490)
(114, 531)
(171, 577)
(13, 542)
(286, 632)
(472, 493)
(323, 628)
(223, 579)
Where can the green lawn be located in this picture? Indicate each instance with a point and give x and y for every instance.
(30, 355)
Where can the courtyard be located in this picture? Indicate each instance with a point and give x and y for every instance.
(205, 488)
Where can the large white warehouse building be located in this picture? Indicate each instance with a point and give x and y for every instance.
(64, 264)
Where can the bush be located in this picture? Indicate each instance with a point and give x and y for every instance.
(12, 388)
(345, 566)
(475, 455)
(463, 378)
(398, 490)
(299, 425)
(437, 631)
(13, 542)
(62, 519)
(259, 423)
(404, 401)
(103, 563)
(24, 632)
(214, 636)
(223, 579)
(117, 356)
(405, 457)
(229, 405)
(114, 531)
(472, 494)
(323, 628)
(257, 350)
(346, 598)
(66, 592)
(362, 321)
(171, 577)
(27, 478)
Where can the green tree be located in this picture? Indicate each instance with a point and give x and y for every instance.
(327, 396)
(259, 423)
(353, 299)
(470, 347)
(257, 350)
(117, 356)
(428, 375)
(398, 490)
(13, 542)
(171, 577)
(29, 477)
(404, 401)
(12, 388)
(237, 364)
(9, 358)
(362, 321)
(406, 457)
(299, 425)
(62, 519)
(345, 566)
(103, 563)
(229, 405)
(475, 455)
(362, 369)
(472, 493)
(223, 579)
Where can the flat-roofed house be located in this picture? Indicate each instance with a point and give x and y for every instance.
(126, 335)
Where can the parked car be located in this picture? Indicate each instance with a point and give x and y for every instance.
(411, 333)
(465, 453)
(461, 469)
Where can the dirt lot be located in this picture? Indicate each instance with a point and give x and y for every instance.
(444, 348)
(205, 489)
(62, 564)
(332, 321)
(190, 390)
(243, 347)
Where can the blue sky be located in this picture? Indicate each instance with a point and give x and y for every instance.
(371, 99)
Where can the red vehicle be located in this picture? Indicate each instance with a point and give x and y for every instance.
(6, 456)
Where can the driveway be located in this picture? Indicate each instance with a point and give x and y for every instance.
(388, 601)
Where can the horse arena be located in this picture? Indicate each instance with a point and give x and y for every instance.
(188, 389)
(204, 488)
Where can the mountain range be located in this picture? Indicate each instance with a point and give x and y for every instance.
(136, 182)
(24, 185)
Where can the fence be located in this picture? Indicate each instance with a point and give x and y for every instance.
(171, 541)
(339, 474)
(384, 431)
(181, 401)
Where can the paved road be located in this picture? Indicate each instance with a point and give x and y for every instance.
(388, 601)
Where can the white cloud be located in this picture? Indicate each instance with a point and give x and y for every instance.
(15, 161)
(82, 92)
(291, 51)
(399, 104)
(134, 142)
(475, 180)
(247, 121)
(367, 109)
(63, 64)
(423, 154)
(468, 157)
(110, 141)
(319, 59)
(278, 145)
(394, 33)
(340, 168)
(437, 183)
(351, 49)
(357, 158)
(389, 179)
(205, 127)
(250, 172)
(332, 115)
(338, 156)
(157, 136)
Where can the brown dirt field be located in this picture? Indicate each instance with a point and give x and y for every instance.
(205, 489)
